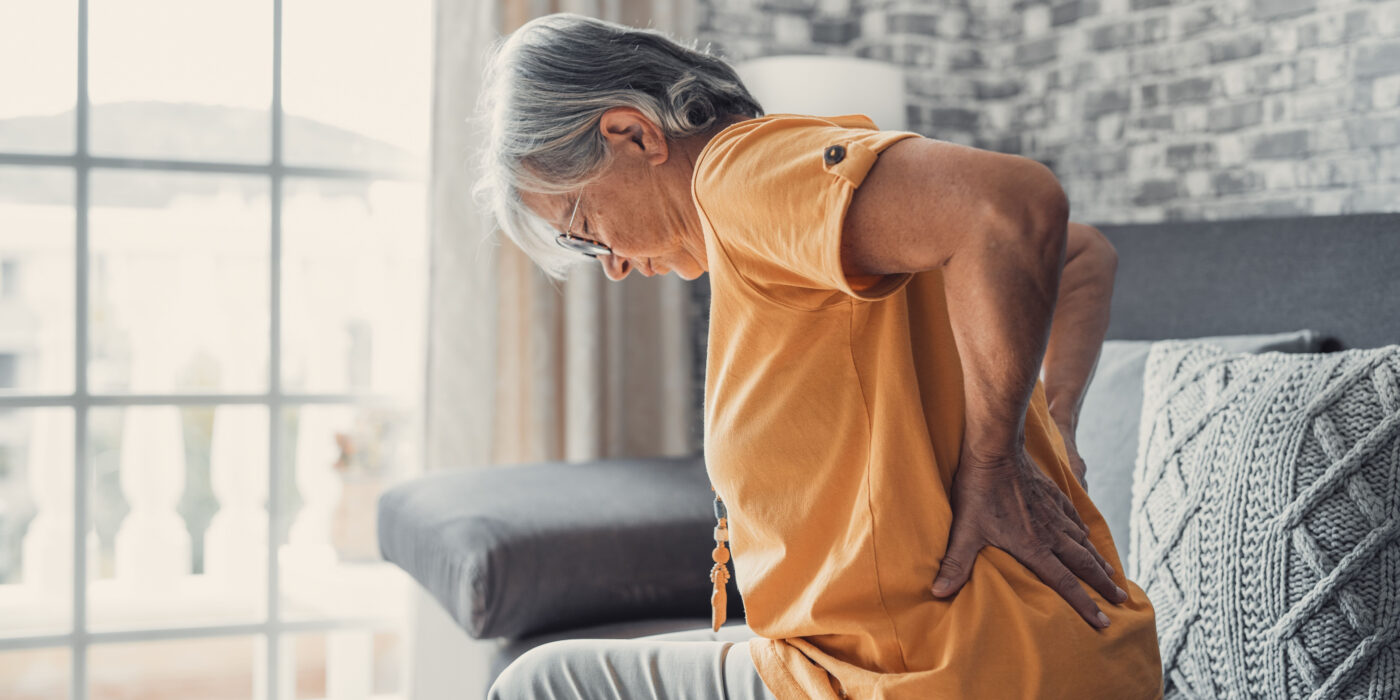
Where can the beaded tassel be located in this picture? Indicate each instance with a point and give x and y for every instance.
(719, 573)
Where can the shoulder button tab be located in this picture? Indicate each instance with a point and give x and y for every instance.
(834, 154)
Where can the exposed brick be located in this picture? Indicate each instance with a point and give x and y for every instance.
(955, 23)
(1236, 181)
(788, 5)
(1112, 36)
(1282, 39)
(1278, 175)
(1151, 95)
(1272, 207)
(1100, 102)
(1109, 128)
(1326, 30)
(952, 118)
(965, 57)
(1265, 10)
(1130, 33)
(840, 30)
(1190, 90)
(874, 25)
(1328, 137)
(1151, 60)
(1035, 20)
(1071, 11)
(1369, 132)
(1234, 48)
(941, 87)
(1230, 150)
(915, 55)
(1276, 77)
(1282, 144)
(1386, 20)
(1191, 118)
(1236, 116)
(1034, 52)
(1009, 143)
(997, 88)
(1376, 198)
(1107, 162)
(1197, 183)
(1385, 92)
(1377, 59)
(1191, 155)
(739, 24)
(1235, 79)
(1155, 192)
(877, 52)
(1029, 115)
(1358, 24)
(1153, 122)
(791, 30)
(910, 23)
(1191, 21)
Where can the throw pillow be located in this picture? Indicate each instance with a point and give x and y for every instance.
(1266, 509)
(1107, 435)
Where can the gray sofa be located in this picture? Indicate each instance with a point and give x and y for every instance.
(620, 548)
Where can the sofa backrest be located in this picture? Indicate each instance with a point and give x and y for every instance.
(1337, 275)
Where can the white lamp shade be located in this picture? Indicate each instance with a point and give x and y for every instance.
(827, 86)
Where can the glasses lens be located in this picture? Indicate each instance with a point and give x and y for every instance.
(588, 248)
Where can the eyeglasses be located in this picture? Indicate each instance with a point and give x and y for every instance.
(578, 244)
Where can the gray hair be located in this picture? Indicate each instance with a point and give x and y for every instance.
(546, 87)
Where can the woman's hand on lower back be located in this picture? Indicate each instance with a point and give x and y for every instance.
(1011, 504)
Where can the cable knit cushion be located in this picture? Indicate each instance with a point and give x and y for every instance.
(1108, 419)
(1266, 504)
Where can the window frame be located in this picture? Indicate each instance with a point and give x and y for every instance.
(273, 629)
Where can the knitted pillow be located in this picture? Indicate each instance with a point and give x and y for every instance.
(1266, 509)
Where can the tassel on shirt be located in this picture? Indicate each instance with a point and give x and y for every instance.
(719, 573)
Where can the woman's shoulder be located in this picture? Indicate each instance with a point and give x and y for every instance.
(769, 136)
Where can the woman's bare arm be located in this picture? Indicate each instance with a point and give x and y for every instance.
(996, 225)
(1079, 324)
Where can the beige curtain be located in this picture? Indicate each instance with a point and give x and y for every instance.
(521, 369)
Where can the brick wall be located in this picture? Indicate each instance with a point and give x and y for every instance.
(1147, 110)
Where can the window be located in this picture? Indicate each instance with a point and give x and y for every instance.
(213, 241)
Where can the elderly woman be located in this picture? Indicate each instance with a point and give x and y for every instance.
(905, 504)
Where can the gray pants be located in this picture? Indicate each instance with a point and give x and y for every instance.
(690, 665)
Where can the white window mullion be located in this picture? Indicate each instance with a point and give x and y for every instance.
(273, 674)
(77, 682)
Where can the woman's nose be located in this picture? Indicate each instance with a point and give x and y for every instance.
(616, 267)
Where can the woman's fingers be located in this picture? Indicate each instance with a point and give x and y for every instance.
(1107, 567)
(956, 566)
(1086, 566)
(1048, 566)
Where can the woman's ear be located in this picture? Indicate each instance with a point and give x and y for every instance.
(629, 132)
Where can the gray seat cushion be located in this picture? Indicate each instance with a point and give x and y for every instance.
(513, 551)
(1107, 436)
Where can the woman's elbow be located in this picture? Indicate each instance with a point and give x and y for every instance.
(1033, 207)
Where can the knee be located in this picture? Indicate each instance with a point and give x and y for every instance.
(538, 673)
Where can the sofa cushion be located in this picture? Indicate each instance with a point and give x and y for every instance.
(1266, 521)
(1108, 417)
(511, 551)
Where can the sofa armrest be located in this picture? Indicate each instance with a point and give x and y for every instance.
(511, 551)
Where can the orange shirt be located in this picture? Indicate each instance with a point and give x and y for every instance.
(833, 424)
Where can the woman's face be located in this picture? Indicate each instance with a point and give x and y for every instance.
(640, 206)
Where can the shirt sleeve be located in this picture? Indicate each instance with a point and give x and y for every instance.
(776, 191)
